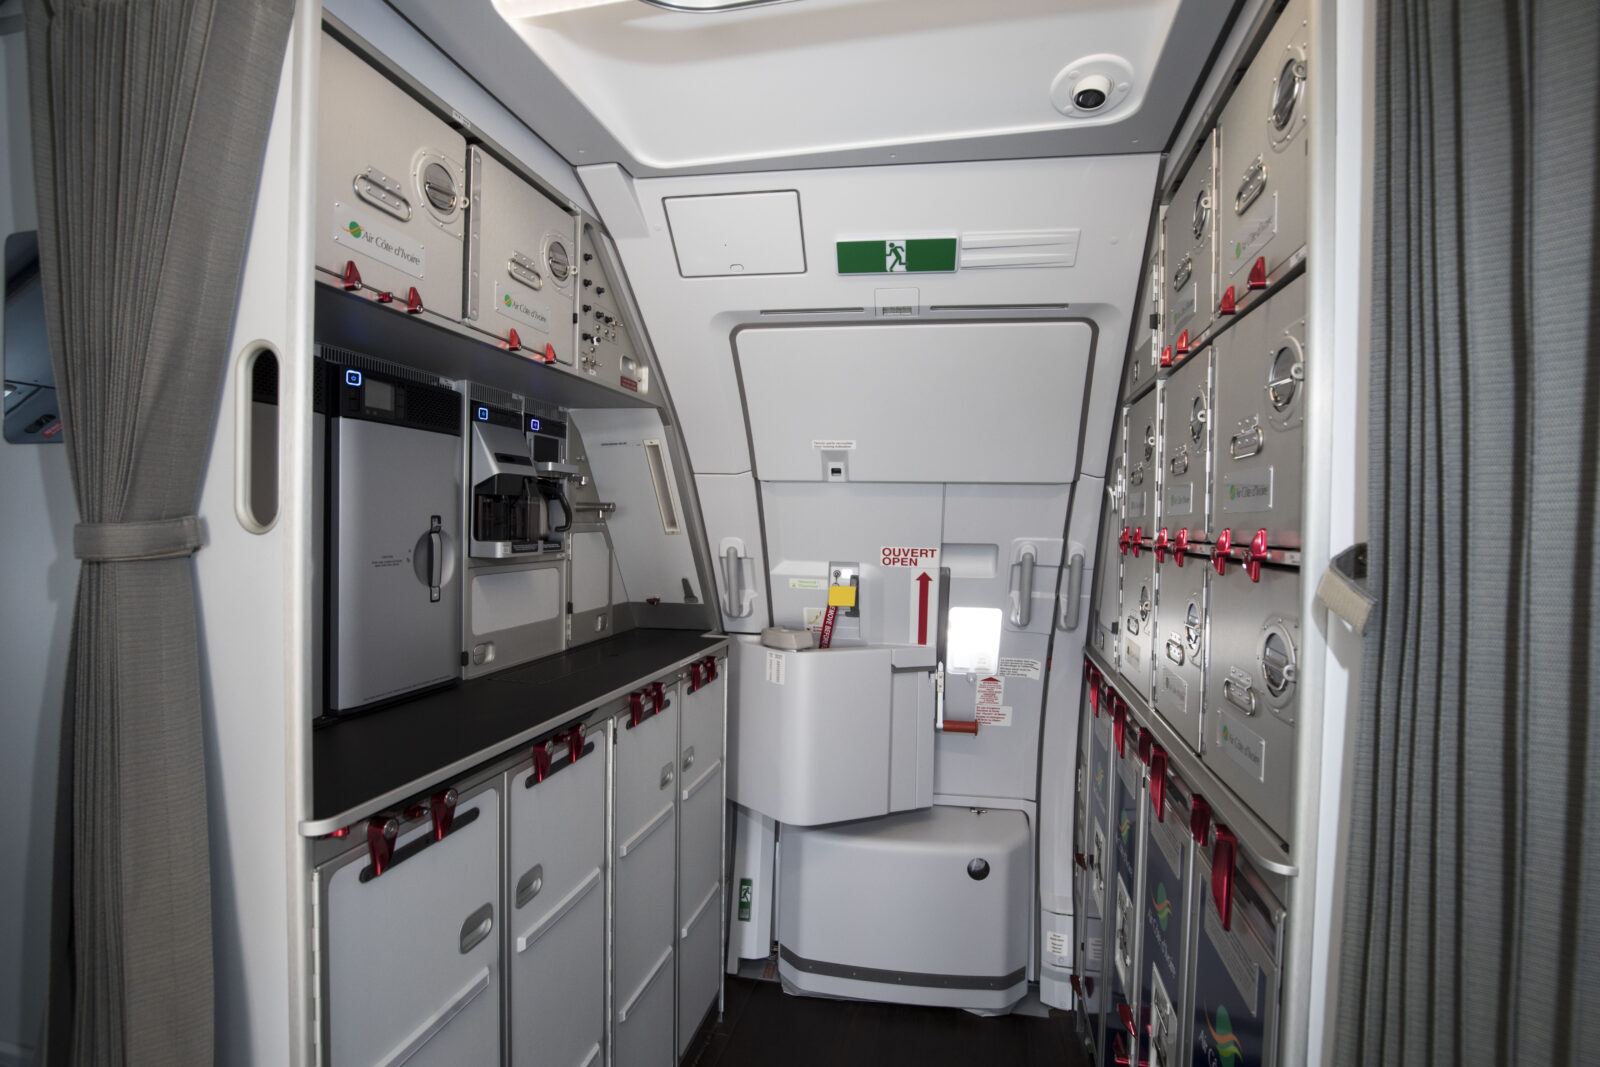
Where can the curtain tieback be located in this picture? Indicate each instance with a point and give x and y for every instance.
(113, 542)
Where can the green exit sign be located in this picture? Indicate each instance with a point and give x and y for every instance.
(914, 255)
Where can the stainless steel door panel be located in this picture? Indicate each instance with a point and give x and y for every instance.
(1190, 229)
(1138, 637)
(1258, 456)
(521, 261)
(1251, 686)
(1146, 334)
(1186, 433)
(395, 528)
(391, 185)
(1143, 464)
(1180, 646)
(1263, 183)
(1108, 565)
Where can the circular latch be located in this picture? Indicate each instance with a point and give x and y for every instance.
(1278, 661)
(1197, 420)
(1192, 623)
(1181, 276)
(558, 261)
(1202, 212)
(978, 870)
(1284, 375)
(1144, 602)
(1286, 92)
(439, 187)
(1149, 442)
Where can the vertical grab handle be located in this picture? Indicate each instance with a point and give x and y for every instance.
(1071, 608)
(1022, 590)
(435, 558)
(733, 582)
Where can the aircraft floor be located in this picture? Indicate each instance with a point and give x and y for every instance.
(763, 1026)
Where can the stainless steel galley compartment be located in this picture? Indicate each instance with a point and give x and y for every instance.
(409, 947)
(391, 188)
(1146, 329)
(1168, 909)
(393, 489)
(1257, 470)
(1137, 617)
(1181, 623)
(521, 262)
(1263, 181)
(517, 518)
(1238, 959)
(1190, 230)
(1251, 688)
(555, 897)
(1186, 452)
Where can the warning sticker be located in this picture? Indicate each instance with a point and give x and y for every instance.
(1055, 944)
(813, 618)
(834, 446)
(991, 692)
(903, 556)
(808, 583)
(1011, 667)
(994, 716)
(777, 662)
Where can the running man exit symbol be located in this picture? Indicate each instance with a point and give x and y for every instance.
(894, 256)
(746, 895)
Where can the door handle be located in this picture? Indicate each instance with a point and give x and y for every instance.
(476, 928)
(435, 558)
(1240, 696)
(1071, 609)
(1022, 590)
(1250, 190)
(1245, 443)
(1175, 651)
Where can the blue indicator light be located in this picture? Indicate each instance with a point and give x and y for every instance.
(483, 414)
(352, 377)
(533, 424)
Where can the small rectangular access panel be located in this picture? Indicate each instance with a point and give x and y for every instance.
(897, 255)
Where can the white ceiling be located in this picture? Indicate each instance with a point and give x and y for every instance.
(828, 82)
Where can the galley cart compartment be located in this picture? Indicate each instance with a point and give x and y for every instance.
(1168, 904)
(393, 535)
(824, 735)
(1263, 182)
(1250, 689)
(1260, 423)
(1237, 959)
(644, 836)
(1189, 235)
(1186, 451)
(555, 898)
(859, 900)
(1180, 639)
(391, 187)
(1142, 465)
(411, 956)
(1138, 618)
(1128, 815)
(1142, 364)
(520, 261)
(700, 829)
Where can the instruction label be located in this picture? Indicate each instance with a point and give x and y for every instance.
(991, 693)
(777, 663)
(909, 556)
(993, 716)
(834, 446)
(353, 229)
(808, 583)
(1055, 944)
(1016, 667)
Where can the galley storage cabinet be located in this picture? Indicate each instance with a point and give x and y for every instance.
(1167, 906)
(1189, 233)
(391, 191)
(555, 899)
(700, 830)
(1123, 1039)
(410, 952)
(644, 837)
(1237, 960)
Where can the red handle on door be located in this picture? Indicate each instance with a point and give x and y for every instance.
(711, 669)
(694, 677)
(1220, 551)
(442, 809)
(1200, 819)
(575, 738)
(961, 726)
(1222, 856)
(1180, 547)
(1138, 540)
(1122, 542)
(541, 761)
(1158, 782)
(1256, 556)
(1147, 743)
(1094, 689)
(381, 832)
(1161, 546)
(635, 708)
(1119, 725)
(1125, 1012)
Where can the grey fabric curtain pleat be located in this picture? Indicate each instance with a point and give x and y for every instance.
(1474, 844)
(149, 122)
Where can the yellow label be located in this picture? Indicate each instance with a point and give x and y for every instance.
(841, 596)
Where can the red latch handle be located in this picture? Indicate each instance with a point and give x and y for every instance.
(1147, 744)
(1180, 546)
(1258, 273)
(1119, 1053)
(541, 761)
(658, 697)
(1084, 987)
(386, 297)
(352, 277)
(1256, 556)
(694, 676)
(1094, 688)
(1119, 725)
(1158, 782)
(1200, 819)
(1122, 542)
(575, 738)
(1138, 540)
(413, 302)
(1161, 546)
(711, 669)
(1125, 1013)
(1220, 551)
(381, 832)
(1222, 856)
(635, 708)
(1182, 347)
(1166, 356)
(513, 342)
(960, 726)
(549, 353)
(442, 809)
(1230, 302)
(1081, 860)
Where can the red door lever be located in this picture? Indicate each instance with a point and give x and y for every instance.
(694, 677)
(513, 342)
(541, 761)
(1147, 743)
(1258, 273)
(1256, 556)
(1222, 856)
(1138, 540)
(1182, 347)
(575, 738)
(413, 302)
(1094, 689)
(1230, 303)
(381, 832)
(711, 669)
(635, 708)
(1200, 819)
(1161, 546)
(1122, 542)
(352, 277)
(442, 808)
(1158, 782)
(1180, 547)
(1220, 551)
(1119, 725)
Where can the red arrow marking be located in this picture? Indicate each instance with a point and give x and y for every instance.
(922, 608)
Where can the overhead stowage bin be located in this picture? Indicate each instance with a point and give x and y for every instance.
(916, 402)
(824, 735)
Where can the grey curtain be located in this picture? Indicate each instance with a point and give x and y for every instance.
(149, 122)
(1471, 933)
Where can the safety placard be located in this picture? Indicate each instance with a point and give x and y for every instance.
(993, 716)
(777, 664)
(897, 255)
(991, 693)
(909, 556)
(1016, 667)
(833, 445)
(808, 583)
